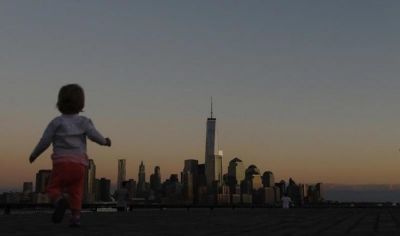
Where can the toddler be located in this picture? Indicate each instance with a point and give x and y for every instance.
(68, 133)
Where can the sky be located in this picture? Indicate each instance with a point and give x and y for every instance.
(306, 89)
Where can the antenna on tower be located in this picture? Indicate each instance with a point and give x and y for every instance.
(211, 107)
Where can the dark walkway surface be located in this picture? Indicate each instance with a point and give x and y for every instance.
(217, 222)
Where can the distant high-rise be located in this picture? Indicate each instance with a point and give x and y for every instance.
(268, 179)
(201, 171)
(253, 179)
(27, 187)
(211, 144)
(315, 193)
(104, 189)
(141, 187)
(131, 186)
(90, 182)
(281, 186)
(172, 190)
(121, 172)
(155, 180)
(42, 180)
(218, 176)
(293, 191)
(189, 179)
(191, 165)
(303, 190)
(235, 174)
(213, 159)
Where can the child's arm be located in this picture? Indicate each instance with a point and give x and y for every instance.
(44, 142)
(95, 135)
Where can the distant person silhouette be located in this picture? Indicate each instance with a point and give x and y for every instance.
(286, 201)
(68, 133)
(122, 197)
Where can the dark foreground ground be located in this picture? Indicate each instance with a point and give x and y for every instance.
(350, 221)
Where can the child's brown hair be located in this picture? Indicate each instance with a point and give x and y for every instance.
(71, 99)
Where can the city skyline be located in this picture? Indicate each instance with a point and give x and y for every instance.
(306, 89)
(212, 152)
(199, 183)
(217, 151)
(332, 192)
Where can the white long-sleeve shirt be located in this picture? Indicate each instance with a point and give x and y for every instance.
(68, 135)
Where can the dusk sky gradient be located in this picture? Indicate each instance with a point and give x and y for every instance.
(306, 89)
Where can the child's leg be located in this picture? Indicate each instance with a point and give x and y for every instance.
(54, 189)
(75, 190)
(59, 177)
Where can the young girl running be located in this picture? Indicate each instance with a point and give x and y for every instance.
(68, 133)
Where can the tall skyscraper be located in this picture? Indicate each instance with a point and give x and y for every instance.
(191, 165)
(218, 176)
(42, 180)
(213, 159)
(315, 193)
(121, 172)
(104, 189)
(131, 186)
(201, 171)
(253, 180)
(141, 187)
(281, 189)
(173, 190)
(293, 191)
(235, 174)
(189, 179)
(90, 182)
(155, 180)
(268, 179)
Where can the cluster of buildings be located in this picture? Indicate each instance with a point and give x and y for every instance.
(95, 190)
(238, 186)
(198, 183)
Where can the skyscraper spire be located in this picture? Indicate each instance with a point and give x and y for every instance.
(211, 107)
(213, 161)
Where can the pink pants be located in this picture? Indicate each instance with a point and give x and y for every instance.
(67, 177)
